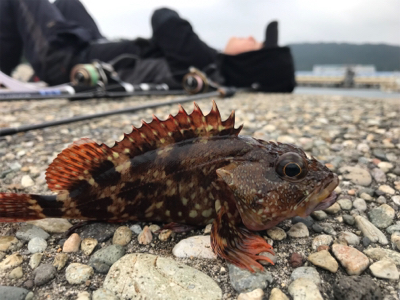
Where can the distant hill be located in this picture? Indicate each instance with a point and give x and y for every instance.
(384, 57)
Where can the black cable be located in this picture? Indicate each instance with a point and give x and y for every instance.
(223, 92)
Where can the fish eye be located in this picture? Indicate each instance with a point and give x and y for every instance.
(291, 166)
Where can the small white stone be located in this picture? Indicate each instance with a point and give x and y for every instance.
(195, 246)
(207, 230)
(386, 189)
(27, 181)
(385, 269)
(385, 166)
(257, 294)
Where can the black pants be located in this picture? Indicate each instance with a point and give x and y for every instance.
(55, 37)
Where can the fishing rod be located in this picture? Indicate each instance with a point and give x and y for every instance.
(74, 93)
(221, 92)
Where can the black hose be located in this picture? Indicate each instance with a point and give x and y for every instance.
(223, 92)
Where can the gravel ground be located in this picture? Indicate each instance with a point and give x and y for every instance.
(357, 138)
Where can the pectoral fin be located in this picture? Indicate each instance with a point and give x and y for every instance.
(238, 245)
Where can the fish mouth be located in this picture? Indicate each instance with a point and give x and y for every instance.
(321, 198)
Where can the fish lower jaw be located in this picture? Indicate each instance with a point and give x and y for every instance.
(319, 200)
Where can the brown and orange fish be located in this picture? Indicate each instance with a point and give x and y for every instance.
(189, 169)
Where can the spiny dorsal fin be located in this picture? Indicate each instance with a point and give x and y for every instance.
(78, 162)
(84, 159)
(183, 126)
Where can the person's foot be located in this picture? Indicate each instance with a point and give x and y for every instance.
(271, 35)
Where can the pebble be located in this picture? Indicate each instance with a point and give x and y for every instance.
(366, 241)
(317, 228)
(369, 230)
(29, 284)
(366, 197)
(385, 269)
(165, 234)
(345, 204)
(304, 289)
(158, 278)
(386, 190)
(327, 228)
(17, 273)
(396, 200)
(243, 280)
(395, 239)
(306, 221)
(77, 273)
(307, 273)
(60, 260)
(333, 209)
(349, 237)
(382, 216)
(354, 261)
(385, 166)
(12, 293)
(195, 246)
(277, 294)
(296, 260)
(298, 230)
(104, 294)
(100, 231)
(349, 220)
(257, 294)
(12, 261)
(7, 242)
(145, 237)
(320, 215)
(44, 273)
(393, 228)
(324, 260)
(379, 253)
(102, 259)
(360, 204)
(27, 181)
(83, 296)
(52, 225)
(122, 236)
(208, 228)
(357, 175)
(37, 245)
(154, 227)
(363, 148)
(28, 231)
(136, 228)
(35, 259)
(322, 239)
(88, 245)
(276, 233)
(356, 287)
(381, 200)
(378, 175)
(72, 244)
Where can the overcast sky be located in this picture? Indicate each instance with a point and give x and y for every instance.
(353, 21)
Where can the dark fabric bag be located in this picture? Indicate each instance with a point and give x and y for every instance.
(271, 69)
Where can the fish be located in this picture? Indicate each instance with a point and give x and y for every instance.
(192, 169)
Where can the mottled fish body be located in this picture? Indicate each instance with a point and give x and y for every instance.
(189, 169)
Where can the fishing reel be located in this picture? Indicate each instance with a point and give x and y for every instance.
(95, 74)
(196, 82)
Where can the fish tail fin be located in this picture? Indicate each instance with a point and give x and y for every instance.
(24, 207)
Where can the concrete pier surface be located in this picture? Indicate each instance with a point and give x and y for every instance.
(356, 137)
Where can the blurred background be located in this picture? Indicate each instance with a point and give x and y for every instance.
(340, 44)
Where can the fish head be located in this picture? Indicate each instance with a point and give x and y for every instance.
(276, 182)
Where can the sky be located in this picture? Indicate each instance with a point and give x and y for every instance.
(350, 21)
